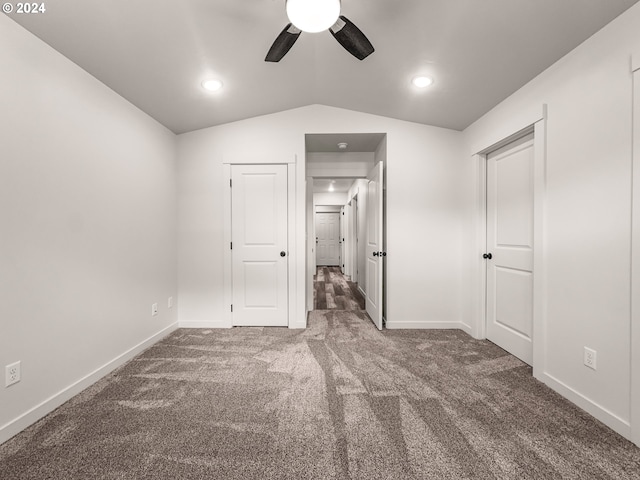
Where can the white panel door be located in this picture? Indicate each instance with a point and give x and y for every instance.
(328, 239)
(375, 250)
(259, 245)
(510, 245)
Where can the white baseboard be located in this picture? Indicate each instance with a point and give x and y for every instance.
(205, 324)
(50, 404)
(297, 326)
(466, 329)
(208, 324)
(611, 420)
(424, 325)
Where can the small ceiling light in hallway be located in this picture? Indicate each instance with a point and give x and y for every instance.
(212, 85)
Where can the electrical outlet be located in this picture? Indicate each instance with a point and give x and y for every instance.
(170, 302)
(12, 374)
(154, 309)
(590, 357)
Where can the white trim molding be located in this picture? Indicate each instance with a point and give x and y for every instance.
(292, 250)
(598, 411)
(510, 129)
(478, 265)
(424, 325)
(50, 404)
(635, 260)
(227, 321)
(635, 61)
(539, 246)
(479, 246)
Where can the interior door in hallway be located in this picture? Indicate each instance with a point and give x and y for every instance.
(328, 239)
(509, 254)
(375, 250)
(259, 245)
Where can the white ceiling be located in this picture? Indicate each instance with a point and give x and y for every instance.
(340, 185)
(155, 53)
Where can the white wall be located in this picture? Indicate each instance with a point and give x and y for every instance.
(88, 214)
(424, 181)
(588, 95)
(329, 198)
(346, 164)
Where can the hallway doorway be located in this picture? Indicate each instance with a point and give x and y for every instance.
(332, 290)
(346, 173)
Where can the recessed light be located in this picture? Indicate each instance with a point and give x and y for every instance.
(422, 82)
(343, 145)
(212, 85)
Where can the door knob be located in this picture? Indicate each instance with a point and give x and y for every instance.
(375, 254)
(283, 253)
(487, 256)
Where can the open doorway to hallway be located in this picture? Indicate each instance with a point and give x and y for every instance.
(345, 222)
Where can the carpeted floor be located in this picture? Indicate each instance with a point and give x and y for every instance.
(337, 400)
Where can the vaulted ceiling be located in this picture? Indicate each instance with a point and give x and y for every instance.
(156, 53)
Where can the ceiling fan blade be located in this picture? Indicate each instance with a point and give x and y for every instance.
(351, 38)
(283, 43)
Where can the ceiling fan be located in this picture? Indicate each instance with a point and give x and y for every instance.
(317, 16)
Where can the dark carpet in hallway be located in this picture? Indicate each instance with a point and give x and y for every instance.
(339, 400)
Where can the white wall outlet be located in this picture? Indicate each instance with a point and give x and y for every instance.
(590, 357)
(170, 302)
(154, 309)
(12, 374)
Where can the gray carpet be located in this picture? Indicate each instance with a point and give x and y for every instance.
(338, 400)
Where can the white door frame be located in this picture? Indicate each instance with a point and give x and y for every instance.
(635, 257)
(353, 235)
(291, 239)
(479, 323)
(338, 212)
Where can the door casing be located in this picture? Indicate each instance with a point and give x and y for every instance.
(635, 257)
(335, 219)
(479, 324)
(227, 321)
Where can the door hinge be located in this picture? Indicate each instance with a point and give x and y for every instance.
(230, 183)
(232, 307)
(231, 245)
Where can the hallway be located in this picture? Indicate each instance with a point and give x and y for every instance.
(332, 291)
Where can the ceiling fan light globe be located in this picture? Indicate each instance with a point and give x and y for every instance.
(313, 15)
